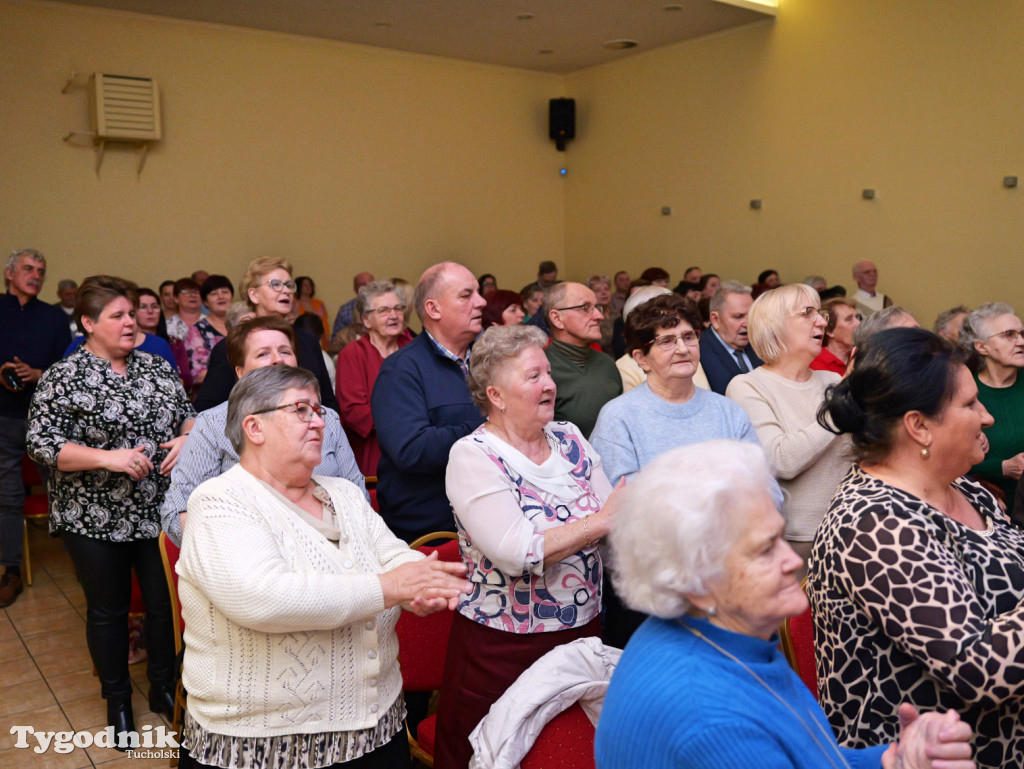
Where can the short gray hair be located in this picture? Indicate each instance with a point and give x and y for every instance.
(766, 321)
(728, 287)
(976, 326)
(260, 390)
(369, 290)
(944, 318)
(66, 283)
(235, 312)
(878, 321)
(815, 280)
(496, 346)
(678, 520)
(596, 280)
(553, 297)
(12, 260)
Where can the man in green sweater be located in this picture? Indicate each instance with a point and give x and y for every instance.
(586, 378)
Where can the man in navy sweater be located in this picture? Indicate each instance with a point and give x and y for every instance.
(421, 403)
(35, 334)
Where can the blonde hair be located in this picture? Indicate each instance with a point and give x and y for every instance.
(769, 313)
(259, 268)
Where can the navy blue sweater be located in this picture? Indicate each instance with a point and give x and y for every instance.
(421, 406)
(35, 332)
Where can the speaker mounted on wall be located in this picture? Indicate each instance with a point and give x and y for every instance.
(562, 121)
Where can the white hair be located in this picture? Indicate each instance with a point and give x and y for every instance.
(679, 519)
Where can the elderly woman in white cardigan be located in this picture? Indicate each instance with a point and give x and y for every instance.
(290, 589)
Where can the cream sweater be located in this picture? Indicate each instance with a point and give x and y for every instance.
(807, 459)
(285, 633)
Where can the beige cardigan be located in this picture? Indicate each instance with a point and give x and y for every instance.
(284, 632)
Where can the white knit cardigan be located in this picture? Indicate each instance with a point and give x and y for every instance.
(284, 632)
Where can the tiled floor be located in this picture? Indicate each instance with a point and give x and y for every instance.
(46, 678)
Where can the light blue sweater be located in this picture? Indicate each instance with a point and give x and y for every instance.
(675, 701)
(636, 427)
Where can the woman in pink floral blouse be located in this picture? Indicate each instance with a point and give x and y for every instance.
(530, 503)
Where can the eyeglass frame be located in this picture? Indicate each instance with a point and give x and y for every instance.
(593, 306)
(1016, 332)
(320, 410)
(291, 285)
(807, 312)
(676, 338)
(383, 312)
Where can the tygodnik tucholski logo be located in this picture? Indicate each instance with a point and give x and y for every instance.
(148, 743)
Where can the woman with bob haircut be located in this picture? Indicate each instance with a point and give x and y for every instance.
(268, 287)
(531, 507)
(994, 332)
(504, 308)
(916, 577)
(843, 320)
(110, 421)
(786, 328)
(703, 683)
(291, 586)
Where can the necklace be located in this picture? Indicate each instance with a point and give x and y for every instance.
(828, 738)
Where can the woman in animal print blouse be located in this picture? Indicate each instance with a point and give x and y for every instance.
(917, 577)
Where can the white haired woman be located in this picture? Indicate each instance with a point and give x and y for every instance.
(383, 314)
(996, 333)
(530, 502)
(786, 328)
(290, 590)
(703, 682)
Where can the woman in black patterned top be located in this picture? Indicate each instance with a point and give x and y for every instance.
(110, 422)
(917, 578)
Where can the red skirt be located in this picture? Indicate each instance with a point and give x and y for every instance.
(482, 663)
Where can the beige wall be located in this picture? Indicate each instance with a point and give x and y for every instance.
(922, 101)
(342, 157)
(339, 157)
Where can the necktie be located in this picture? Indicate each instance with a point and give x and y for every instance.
(741, 361)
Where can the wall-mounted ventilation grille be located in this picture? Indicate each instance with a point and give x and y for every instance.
(124, 107)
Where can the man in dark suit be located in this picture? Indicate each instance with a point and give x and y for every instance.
(724, 348)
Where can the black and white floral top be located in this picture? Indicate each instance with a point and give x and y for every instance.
(81, 399)
(911, 606)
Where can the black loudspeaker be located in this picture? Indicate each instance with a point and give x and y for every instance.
(562, 121)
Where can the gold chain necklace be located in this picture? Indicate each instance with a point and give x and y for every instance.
(828, 738)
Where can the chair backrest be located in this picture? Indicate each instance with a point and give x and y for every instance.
(423, 641)
(797, 634)
(566, 741)
(169, 553)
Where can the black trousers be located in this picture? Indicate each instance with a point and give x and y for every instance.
(105, 571)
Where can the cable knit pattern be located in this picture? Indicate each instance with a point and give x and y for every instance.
(284, 632)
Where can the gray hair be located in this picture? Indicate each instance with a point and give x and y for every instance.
(369, 290)
(694, 498)
(235, 312)
(496, 346)
(815, 280)
(596, 280)
(641, 296)
(66, 283)
(12, 260)
(553, 297)
(768, 314)
(976, 326)
(728, 287)
(878, 321)
(944, 318)
(258, 391)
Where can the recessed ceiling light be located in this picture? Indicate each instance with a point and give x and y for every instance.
(619, 45)
(524, 16)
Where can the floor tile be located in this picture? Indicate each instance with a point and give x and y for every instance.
(19, 698)
(68, 638)
(48, 719)
(19, 670)
(86, 711)
(11, 649)
(49, 621)
(18, 758)
(66, 661)
(40, 600)
(74, 686)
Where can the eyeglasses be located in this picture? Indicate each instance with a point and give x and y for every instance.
(189, 292)
(669, 342)
(1010, 335)
(281, 285)
(385, 311)
(304, 410)
(808, 313)
(587, 308)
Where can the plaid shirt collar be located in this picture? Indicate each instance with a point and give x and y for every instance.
(463, 363)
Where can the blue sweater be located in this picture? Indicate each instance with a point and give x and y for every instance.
(421, 406)
(675, 701)
(35, 332)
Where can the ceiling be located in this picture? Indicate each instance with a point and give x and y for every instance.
(557, 36)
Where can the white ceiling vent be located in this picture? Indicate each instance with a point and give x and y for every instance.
(124, 108)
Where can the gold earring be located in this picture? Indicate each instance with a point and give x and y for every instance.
(925, 453)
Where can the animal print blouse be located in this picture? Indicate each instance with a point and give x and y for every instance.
(911, 606)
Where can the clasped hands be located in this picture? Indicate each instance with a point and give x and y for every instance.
(425, 586)
(930, 741)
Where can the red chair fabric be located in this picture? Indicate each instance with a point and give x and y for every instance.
(801, 631)
(426, 732)
(566, 741)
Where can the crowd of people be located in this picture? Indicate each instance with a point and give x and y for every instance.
(656, 467)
